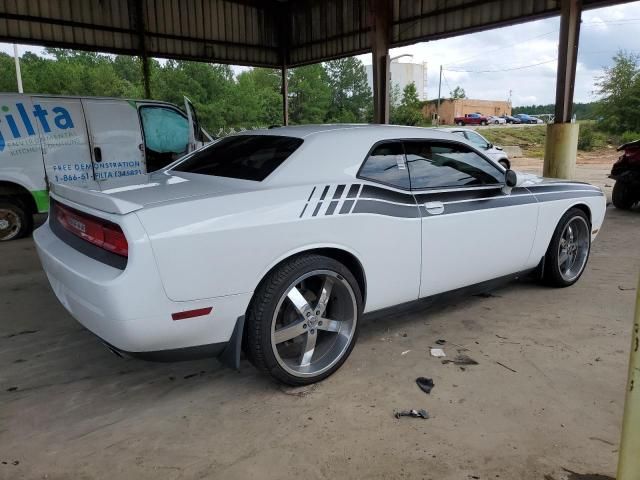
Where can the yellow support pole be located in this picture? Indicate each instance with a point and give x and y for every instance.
(629, 457)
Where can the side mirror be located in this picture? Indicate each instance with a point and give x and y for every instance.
(489, 146)
(510, 178)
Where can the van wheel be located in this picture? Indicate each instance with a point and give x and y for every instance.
(303, 319)
(15, 221)
(568, 252)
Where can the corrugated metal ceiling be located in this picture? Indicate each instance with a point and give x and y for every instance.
(252, 32)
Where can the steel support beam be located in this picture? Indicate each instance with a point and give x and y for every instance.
(561, 144)
(380, 14)
(139, 22)
(571, 11)
(285, 95)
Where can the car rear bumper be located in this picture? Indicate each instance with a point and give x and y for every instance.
(129, 309)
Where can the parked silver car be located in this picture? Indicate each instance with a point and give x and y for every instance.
(492, 151)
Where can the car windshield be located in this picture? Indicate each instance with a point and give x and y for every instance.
(246, 157)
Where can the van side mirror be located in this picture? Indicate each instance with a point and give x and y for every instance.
(510, 178)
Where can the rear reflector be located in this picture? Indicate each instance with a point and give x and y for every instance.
(96, 231)
(199, 312)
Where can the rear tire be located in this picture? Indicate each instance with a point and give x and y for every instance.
(623, 195)
(461, 124)
(303, 320)
(15, 219)
(568, 252)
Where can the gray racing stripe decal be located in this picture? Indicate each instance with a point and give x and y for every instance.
(311, 194)
(353, 191)
(571, 187)
(331, 208)
(387, 209)
(315, 212)
(369, 191)
(496, 202)
(346, 207)
(324, 193)
(303, 210)
(548, 197)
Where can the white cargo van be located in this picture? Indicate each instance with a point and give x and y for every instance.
(82, 141)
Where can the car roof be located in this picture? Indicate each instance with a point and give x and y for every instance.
(364, 129)
(334, 153)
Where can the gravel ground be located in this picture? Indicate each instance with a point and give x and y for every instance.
(545, 399)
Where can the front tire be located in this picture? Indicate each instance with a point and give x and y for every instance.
(15, 220)
(623, 195)
(302, 322)
(568, 252)
(483, 122)
(505, 163)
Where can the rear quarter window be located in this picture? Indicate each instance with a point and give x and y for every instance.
(245, 157)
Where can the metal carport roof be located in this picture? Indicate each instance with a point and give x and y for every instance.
(253, 32)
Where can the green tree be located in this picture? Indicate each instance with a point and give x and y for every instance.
(258, 96)
(351, 95)
(619, 86)
(309, 94)
(457, 92)
(410, 110)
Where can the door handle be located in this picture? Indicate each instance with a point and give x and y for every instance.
(434, 208)
(97, 154)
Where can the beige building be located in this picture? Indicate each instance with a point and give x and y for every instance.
(450, 108)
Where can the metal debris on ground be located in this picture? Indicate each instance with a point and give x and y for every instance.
(438, 352)
(405, 352)
(504, 366)
(461, 360)
(425, 384)
(422, 413)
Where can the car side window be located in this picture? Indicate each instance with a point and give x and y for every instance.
(386, 164)
(165, 130)
(434, 164)
(476, 139)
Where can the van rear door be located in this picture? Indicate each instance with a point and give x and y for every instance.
(20, 149)
(117, 148)
(64, 140)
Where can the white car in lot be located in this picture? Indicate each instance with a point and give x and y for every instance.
(494, 119)
(495, 153)
(277, 241)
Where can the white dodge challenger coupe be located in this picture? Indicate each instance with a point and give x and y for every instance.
(277, 241)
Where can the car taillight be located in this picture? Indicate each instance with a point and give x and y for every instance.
(96, 231)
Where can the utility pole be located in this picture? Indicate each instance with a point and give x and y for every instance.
(18, 72)
(439, 89)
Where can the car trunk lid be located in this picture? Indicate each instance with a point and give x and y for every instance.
(135, 193)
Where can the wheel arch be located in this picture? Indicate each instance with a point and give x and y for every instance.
(339, 253)
(581, 206)
(12, 189)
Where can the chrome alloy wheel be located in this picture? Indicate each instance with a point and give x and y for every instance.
(573, 248)
(314, 323)
(10, 224)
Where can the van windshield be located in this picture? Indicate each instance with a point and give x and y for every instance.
(246, 157)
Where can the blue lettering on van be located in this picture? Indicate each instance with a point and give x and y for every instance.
(22, 125)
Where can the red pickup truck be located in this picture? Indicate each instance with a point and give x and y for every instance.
(471, 119)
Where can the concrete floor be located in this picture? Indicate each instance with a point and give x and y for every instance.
(71, 409)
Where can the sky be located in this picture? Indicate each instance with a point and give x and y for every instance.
(519, 60)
